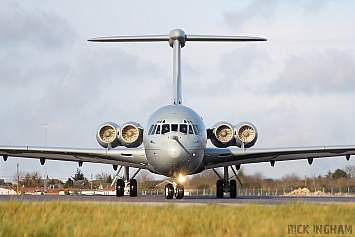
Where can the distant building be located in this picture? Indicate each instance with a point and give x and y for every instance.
(4, 191)
(4, 184)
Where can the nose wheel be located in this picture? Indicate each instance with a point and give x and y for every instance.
(179, 191)
(169, 191)
(172, 190)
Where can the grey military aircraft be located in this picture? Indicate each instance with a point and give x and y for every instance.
(175, 138)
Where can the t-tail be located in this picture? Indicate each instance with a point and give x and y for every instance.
(177, 40)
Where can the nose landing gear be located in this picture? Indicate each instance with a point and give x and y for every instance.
(174, 189)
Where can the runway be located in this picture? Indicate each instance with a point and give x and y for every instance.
(153, 199)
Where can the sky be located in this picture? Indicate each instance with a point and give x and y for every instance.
(298, 88)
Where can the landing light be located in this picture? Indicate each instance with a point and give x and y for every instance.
(181, 178)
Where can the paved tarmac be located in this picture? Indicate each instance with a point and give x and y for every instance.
(153, 199)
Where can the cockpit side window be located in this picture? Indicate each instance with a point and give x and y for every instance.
(158, 130)
(190, 129)
(153, 130)
(165, 128)
(183, 128)
(150, 129)
(198, 129)
(195, 129)
(174, 127)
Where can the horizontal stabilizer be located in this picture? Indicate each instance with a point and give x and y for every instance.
(222, 38)
(143, 38)
(176, 34)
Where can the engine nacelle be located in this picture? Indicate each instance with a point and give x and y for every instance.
(131, 135)
(222, 135)
(245, 133)
(108, 135)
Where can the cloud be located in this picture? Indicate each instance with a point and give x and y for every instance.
(237, 70)
(330, 71)
(262, 12)
(312, 6)
(37, 28)
(243, 61)
(258, 10)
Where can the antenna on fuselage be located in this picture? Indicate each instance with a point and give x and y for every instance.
(177, 40)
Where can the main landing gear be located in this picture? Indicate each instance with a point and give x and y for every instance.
(121, 186)
(174, 189)
(125, 183)
(223, 185)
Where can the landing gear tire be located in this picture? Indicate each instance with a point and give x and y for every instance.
(133, 188)
(169, 191)
(219, 187)
(179, 192)
(233, 188)
(119, 188)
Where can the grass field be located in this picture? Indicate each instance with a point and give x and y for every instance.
(119, 219)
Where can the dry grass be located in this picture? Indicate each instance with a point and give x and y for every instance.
(117, 219)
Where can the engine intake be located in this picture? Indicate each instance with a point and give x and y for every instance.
(223, 135)
(245, 134)
(131, 134)
(110, 135)
(107, 135)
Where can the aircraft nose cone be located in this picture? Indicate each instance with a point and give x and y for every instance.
(173, 150)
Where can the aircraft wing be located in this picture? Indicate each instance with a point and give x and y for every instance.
(133, 157)
(218, 157)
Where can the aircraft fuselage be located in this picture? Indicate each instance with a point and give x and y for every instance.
(175, 139)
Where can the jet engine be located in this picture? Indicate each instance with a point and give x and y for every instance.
(108, 135)
(223, 134)
(131, 135)
(245, 134)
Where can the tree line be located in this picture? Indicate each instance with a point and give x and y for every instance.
(340, 179)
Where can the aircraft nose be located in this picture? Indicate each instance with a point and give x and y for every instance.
(172, 150)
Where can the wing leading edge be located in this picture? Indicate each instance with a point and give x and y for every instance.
(127, 157)
(218, 157)
(214, 157)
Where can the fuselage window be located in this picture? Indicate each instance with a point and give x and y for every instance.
(158, 130)
(183, 128)
(174, 127)
(165, 128)
(150, 129)
(190, 130)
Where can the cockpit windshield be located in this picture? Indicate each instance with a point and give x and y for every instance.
(188, 128)
(165, 128)
(158, 130)
(183, 128)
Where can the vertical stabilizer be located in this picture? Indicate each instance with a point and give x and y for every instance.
(177, 40)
